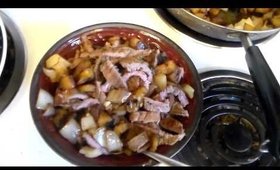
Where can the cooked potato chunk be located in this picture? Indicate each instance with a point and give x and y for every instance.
(103, 119)
(58, 63)
(88, 122)
(66, 82)
(276, 20)
(121, 128)
(140, 92)
(85, 75)
(160, 81)
(161, 69)
(86, 88)
(51, 74)
(188, 90)
(170, 66)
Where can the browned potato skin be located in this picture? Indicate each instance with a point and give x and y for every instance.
(103, 119)
(140, 92)
(214, 12)
(121, 128)
(154, 140)
(133, 42)
(67, 82)
(133, 83)
(85, 75)
(161, 81)
(276, 20)
(172, 124)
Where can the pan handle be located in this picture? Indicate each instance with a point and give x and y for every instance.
(268, 91)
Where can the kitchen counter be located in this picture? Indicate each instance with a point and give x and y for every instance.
(21, 143)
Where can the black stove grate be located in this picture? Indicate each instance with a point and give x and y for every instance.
(232, 128)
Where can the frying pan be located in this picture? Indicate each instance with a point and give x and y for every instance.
(266, 85)
(3, 45)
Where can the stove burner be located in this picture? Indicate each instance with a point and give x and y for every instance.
(14, 67)
(232, 127)
(237, 137)
(173, 22)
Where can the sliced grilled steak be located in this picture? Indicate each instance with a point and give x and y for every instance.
(137, 142)
(119, 52)
(171, 124)
(156, 106)
(178, 110)
(111, 74)
(130, 67)
(173, 90)
(150, 127)
(169, 139)
(144, 117)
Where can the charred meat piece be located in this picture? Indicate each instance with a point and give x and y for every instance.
(130, 67)
(150, 127)
(169, 139)
(171, 124)
(119, 52)
(137, 142)
(145, 117)
(173, 90)
(156, 106)
(111, 74)
(178, 110)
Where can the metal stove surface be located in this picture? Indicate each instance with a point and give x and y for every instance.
(41, 28)
(232, 127)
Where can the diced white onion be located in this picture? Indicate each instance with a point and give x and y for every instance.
(44, 99)
(108, 139)
(113, 141)
(49, 111)
(70, 130)
(100, 136)
(90, 152)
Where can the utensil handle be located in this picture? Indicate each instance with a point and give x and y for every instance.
(268, 91)
(164, 159)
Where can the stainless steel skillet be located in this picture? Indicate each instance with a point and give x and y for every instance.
(266, 85)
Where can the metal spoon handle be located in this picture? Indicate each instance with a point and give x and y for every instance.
(163, 159)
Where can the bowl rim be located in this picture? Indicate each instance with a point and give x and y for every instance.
(149, 32)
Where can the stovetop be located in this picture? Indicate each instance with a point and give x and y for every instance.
(41, 28)
(232, 128)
